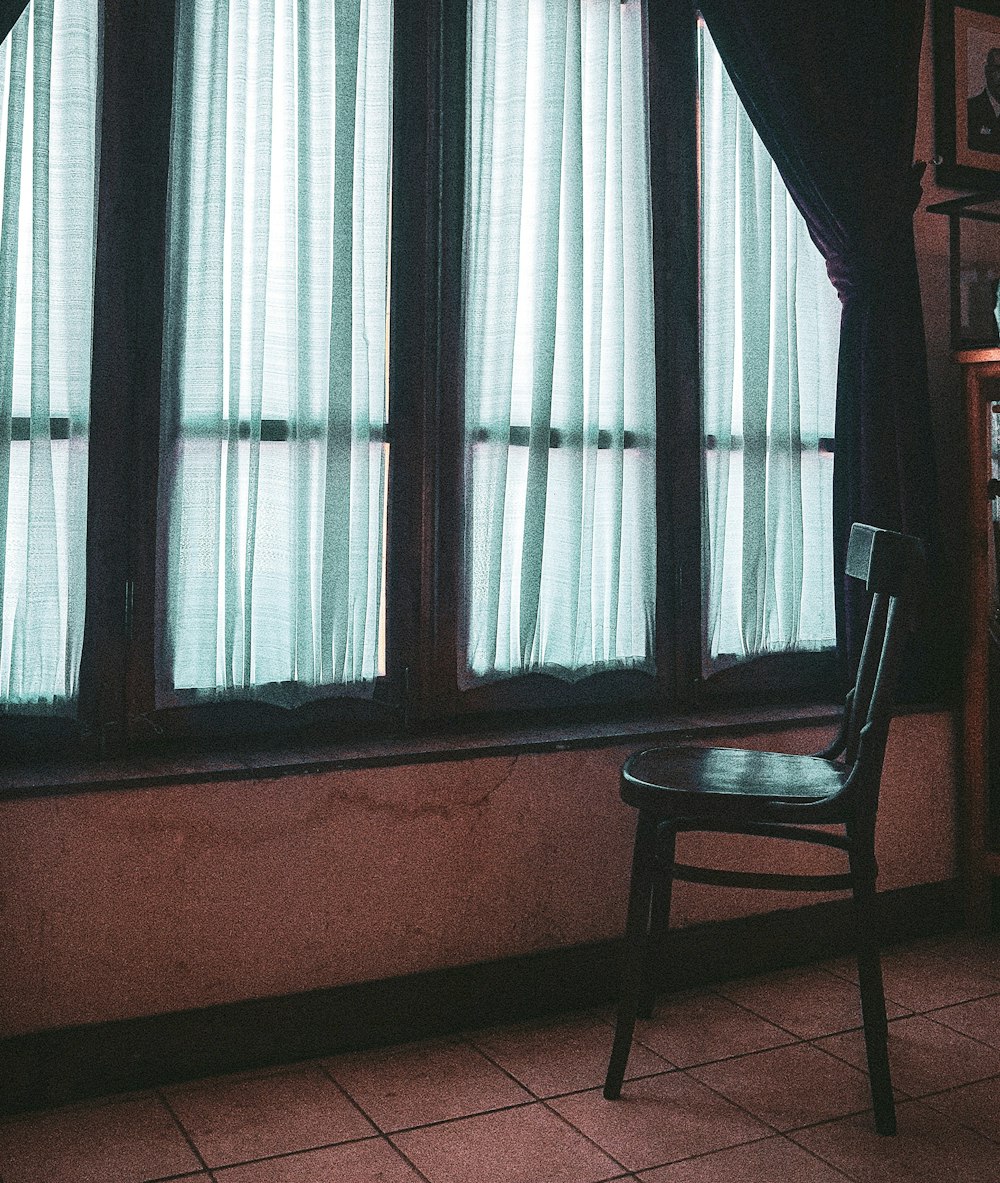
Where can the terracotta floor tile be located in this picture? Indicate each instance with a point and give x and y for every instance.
(247, 1119)
(524, 1145)
(659, 1120)
(760, 1162)
(979, 952)
(809, 1002)
(923, 980)
(421, 1083)
(696, 1028)
(924, 1057)
(789, 1086)
(979, 1019)
(976, 1105)
(564, 1057)
(371, 1161)
(108, 1142)
(929, 1148)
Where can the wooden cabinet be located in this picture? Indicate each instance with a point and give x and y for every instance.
(979, 804)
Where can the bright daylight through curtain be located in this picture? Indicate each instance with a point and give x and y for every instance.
(274, 452)
(49, 74)
(560, 535)
(770, 334)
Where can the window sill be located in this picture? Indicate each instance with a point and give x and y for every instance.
(37, 779)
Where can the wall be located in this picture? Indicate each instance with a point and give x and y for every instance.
(931, 232)
(115, 905)
(122, 904)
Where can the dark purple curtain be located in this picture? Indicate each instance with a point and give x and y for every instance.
(831, 88)
(10, 10)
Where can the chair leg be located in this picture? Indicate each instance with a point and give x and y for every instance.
(636, 940)
(659, 920)
(863, 872)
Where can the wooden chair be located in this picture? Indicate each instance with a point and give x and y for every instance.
(727, 790)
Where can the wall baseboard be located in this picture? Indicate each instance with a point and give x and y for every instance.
(57, 1067)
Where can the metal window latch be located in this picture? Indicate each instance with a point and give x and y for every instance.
(407, 720)
(129, 606)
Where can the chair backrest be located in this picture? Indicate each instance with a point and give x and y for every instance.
(891, 566)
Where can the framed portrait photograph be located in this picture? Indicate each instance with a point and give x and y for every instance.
(967, 94)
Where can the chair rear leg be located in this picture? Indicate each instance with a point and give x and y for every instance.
(636, 941)
(659, 920)
(863, 872)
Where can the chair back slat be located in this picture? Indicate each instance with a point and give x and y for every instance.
(868, 667)
(891, 566)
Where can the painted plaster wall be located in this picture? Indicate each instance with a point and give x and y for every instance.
(122, 904)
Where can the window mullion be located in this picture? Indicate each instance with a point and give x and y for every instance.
(128, 326)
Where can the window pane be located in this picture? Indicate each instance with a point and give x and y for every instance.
(273, 452)
(48, 181)
(770, 336)
(559, 365)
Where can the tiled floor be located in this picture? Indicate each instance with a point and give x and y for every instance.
(758, 1081)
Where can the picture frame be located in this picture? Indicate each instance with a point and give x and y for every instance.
(966, 102)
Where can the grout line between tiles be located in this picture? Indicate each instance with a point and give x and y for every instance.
(586, 1088)
(670, 1162)
(720, 1059)
(929, 1015)
(788, 1031)
(199, 1174)
(406, 1158)
(812, 1154)
(808, 1125)
(953, 1087)
(576, 1130)
(187, 1137)
(496, 1064)
(350, 1100)
(246, 1162)
(426, 1125)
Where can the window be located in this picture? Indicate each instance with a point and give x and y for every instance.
(559, 358)
(48, 123)
(274, 454)
(770, 332)
(373, 395)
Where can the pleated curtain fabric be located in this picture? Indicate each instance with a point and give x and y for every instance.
(49, 83)
(273, 448)
(560, 535)
(770, 336)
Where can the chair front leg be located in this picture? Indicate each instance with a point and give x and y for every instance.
(876, 1027)
(636, 940)
(659, 919)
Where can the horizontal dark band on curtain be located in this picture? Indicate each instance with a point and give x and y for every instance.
(825, 444)
(520, 437)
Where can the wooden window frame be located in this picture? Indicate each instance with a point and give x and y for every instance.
(116, 708)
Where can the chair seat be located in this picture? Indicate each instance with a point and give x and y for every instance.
(688, 781)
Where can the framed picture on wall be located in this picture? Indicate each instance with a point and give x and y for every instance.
(967, 94)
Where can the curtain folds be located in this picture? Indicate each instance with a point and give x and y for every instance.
(559, 369)
(49, 81)
(832, 91)
(274, 443)
(770, 328)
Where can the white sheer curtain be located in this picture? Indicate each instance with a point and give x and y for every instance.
(274, 454)
(560, 536)
(770, 334)
(49, 76)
